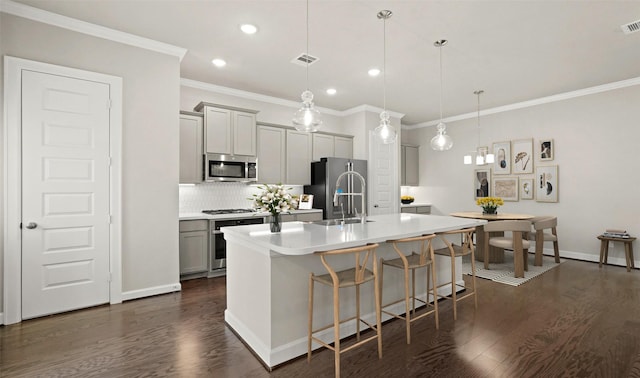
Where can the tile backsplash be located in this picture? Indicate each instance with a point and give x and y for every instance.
(223, 195)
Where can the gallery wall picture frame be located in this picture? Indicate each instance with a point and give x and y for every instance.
(482, 183)
(506, 187)
(522, 156)
(526, 189)
(545, 149)
(547, 183)
(502, 156)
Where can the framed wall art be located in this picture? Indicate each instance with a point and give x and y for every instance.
(546, 183)
(545, 149)
(502, 155)
(482, 183)
(522, 156)
(506, 188)
(526, 189)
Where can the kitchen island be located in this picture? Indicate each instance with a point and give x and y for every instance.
(268, 273)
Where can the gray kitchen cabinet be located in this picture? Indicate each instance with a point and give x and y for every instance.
(194, 246)
(343, 147)
(410, 173)
(418, 209)
(298, 154)
(271, 155)
(191, 129)
(309, 217)
(228, 130)
(323, 146)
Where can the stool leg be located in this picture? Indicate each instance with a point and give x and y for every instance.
(407, 311)
(633, 264)
(413, 292)
(310, 325)
(358, 312)
(606, 253)
(453, 286)
(473, 277)
(434, 287)
(336, 328)
(602, 246)
(627, 256)
(377, 292)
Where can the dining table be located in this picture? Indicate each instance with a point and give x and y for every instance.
(496, 255)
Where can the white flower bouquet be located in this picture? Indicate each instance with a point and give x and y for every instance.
(273, 199)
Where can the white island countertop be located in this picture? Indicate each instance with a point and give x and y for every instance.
(301, 238)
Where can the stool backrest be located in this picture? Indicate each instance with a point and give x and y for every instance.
(363, 256)
(426, 248)
(467, 238)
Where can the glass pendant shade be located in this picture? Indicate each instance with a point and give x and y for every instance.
(385, 132)
(489, 159)
(307, 118)
(441, 142)
(479, 160)
(467, 159)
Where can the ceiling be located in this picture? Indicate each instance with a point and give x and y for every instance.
(514, 50)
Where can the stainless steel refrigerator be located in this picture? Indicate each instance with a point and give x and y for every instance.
(324, 174)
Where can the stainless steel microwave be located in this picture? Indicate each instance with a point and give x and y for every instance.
(230, 168)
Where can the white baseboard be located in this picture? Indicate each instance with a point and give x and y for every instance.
(620, 261)
(150, 291)
(1, 317)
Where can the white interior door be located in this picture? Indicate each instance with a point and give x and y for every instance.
(383, 173)
(65, 193)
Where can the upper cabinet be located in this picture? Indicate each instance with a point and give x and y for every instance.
(190, 147)
(326, 145)
(228, 130)
(298, 152)
(271, 155)
(410, 175)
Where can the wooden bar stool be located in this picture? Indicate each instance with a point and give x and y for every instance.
(452, 250)
(423, 259)
(365, 256)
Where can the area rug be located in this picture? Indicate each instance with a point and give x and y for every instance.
(503, 272)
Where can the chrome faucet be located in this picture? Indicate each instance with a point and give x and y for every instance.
(338, 193)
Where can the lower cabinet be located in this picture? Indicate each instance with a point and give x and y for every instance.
(416, 209)
(194, 246)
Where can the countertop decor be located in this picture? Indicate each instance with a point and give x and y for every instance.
(406, 199)
(275, 200)
(489, 205)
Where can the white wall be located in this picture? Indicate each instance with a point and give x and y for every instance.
(596, 138)
(151, 103)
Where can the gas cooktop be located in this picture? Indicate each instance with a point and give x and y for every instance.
(228, 211)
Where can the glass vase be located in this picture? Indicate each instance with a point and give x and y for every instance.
(276, 222)
(489, 210)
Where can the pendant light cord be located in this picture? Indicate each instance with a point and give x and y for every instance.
(440, 48)
(307, 58)
(384, 64)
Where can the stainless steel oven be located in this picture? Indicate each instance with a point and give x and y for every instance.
(230, 168)
(217, 244)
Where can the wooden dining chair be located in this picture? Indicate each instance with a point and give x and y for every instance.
(540, 224)
(515, 242)
(365, 269)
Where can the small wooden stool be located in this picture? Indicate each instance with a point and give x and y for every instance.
(628, 250)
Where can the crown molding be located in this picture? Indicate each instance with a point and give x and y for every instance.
(370, 108)
(540, 101)
(50, 18)
(250, 95)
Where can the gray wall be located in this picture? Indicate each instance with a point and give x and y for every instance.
(596, 143)
(151, 103)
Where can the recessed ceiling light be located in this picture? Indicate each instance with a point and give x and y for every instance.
(331, 91)
(374, 72)
(219, 62)
(248, 29)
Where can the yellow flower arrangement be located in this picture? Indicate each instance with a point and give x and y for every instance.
(489, 204)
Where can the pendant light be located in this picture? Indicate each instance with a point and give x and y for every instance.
(385, 132)
(481, 158)
(442, 141)
(307, 118)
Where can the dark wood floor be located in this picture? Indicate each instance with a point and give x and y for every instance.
(576, 321)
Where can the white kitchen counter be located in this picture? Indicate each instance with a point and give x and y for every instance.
(268, 275)
(415, 204)
(195, 216)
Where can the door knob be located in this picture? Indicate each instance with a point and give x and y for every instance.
(32, 225)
